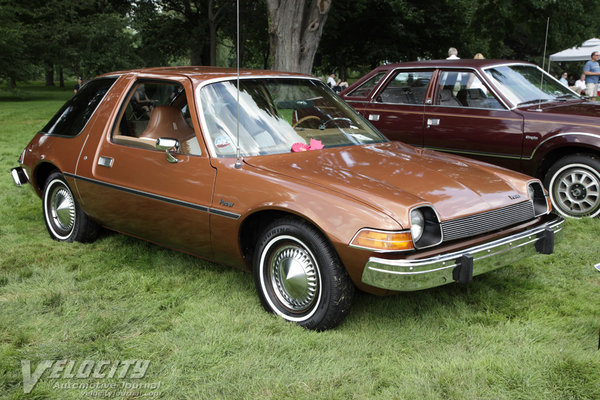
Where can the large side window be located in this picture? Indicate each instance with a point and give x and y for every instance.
(465, 89)
(153, 110)
(366, 87)
(74, 115)
(407, 87)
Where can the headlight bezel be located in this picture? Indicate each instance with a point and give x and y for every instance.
(539, 198)
(432, 234)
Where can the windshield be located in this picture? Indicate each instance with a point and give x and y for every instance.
(523, 84)
(279, 116)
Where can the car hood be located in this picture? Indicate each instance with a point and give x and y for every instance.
(393, 177)
(582, 108)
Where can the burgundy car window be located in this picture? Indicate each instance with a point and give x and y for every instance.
(407, 87)
(464, 89)
(367, 87)
(525, 84)
(74, 115)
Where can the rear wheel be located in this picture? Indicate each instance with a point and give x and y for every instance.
(299, 276)
(64, 218)
(574, 186)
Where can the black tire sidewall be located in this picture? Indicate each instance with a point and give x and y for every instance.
(330, 270)
(83, 229)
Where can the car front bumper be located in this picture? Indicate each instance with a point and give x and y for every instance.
(461, 266)
(19, 176)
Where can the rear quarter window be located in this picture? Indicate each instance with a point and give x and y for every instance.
(74, 115)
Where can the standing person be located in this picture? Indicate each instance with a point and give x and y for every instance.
(78, 84)
(453, 54)
(592, 74)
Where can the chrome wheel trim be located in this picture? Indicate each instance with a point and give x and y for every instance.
(575, 191)
(290, 278)
(60, 209)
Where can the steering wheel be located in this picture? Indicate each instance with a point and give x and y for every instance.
(303, 119)
(324, 124)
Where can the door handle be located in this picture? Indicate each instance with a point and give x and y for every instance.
(105, 161)
(374, 117)
(433, 122)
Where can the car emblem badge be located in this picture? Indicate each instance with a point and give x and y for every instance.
(514, 196)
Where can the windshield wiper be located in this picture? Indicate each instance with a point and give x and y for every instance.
(567, 96)
(533, 102)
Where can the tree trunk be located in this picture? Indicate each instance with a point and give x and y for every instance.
(214, 20)
(196, 53)
(295, 32)
(49, 74)
(61, 77)
(12, 83)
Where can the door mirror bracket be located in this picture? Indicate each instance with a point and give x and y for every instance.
(167, 145)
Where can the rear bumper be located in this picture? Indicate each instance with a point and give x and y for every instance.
(19, 176)
(461, 266)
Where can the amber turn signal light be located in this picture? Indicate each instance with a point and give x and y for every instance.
(383, 241)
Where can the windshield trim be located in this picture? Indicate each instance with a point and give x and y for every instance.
(514, 106)
(200, 108)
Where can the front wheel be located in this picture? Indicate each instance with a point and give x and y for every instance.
(299, 276)
(574, 186)
(65, 220)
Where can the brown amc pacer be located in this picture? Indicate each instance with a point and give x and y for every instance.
(301, 190)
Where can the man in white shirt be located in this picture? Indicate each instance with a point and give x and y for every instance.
(452, 54)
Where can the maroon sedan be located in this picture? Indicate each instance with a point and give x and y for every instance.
(512, 114)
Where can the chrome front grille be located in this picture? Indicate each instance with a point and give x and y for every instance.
(488, 221)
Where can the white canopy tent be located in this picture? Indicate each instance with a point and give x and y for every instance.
(577, 53)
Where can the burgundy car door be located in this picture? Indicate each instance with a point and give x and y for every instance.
(467, 118)
(129, 186)
(396, 108)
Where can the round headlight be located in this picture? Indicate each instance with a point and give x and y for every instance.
(417, 224)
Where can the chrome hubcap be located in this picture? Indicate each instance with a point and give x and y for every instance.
(62, 209)
(294, 277)
(577, 192)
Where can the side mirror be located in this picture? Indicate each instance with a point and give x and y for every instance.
(166, 145)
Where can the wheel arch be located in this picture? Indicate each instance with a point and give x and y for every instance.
(255, 223)
(41, 173)
(556, 154)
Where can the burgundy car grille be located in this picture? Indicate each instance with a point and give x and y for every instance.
(487, 221)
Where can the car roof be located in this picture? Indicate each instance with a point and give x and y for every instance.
(462, 62)
(202, 73)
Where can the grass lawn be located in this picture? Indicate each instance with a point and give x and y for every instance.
(528, 331)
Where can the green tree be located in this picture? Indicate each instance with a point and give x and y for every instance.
(15, 62)
(85, 37)
(364, 33)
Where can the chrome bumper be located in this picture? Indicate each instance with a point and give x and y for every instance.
(19, 176)
(461, 266)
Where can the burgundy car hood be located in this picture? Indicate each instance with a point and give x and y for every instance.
(392, 177)
(582, 108)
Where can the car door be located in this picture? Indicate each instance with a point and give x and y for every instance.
(397, 107)
(467, 118)
(130, 186)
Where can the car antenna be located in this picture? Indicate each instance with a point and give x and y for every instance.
(543, 64)
(238, 159)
